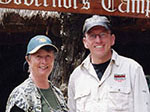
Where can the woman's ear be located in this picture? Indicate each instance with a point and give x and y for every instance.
(27, 59)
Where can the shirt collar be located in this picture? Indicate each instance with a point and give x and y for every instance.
(114, 57)
(86, 63)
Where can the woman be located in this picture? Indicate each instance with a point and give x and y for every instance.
(37, 93)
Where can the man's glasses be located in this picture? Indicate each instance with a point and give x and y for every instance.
(101, 35)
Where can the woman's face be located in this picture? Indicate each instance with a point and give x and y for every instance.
(41, 63)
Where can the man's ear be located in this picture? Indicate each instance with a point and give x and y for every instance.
(84, 42)
(113, 39)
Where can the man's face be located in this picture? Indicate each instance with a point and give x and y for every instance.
(99, 41)
(41, 63)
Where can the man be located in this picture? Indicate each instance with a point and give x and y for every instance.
(106, 81)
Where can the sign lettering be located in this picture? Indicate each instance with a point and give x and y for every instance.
(130, 8)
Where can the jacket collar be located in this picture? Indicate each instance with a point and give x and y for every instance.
(114, 59)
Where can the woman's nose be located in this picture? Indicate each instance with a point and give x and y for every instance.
(43, 60)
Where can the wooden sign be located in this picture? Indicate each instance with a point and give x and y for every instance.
(129, 8)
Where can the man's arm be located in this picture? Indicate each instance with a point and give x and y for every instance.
(71, 101)
(141, 92)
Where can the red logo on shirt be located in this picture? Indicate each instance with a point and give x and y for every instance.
(119, 77)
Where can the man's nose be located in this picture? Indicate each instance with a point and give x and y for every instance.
(98, 38)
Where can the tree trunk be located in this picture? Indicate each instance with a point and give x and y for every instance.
(72, 51)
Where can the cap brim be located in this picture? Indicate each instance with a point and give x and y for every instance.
(89, 26)
(38, 47)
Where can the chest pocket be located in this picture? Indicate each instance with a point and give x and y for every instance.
(82, 95)
(119, 98)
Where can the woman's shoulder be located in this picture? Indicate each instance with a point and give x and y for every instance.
(22, 94)
(25, 87)
(56, 89)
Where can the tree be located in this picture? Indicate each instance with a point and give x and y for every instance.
(71, 51)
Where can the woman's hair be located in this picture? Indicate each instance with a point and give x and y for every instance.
(47, 48)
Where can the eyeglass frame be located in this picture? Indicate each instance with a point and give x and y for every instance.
(102, 35)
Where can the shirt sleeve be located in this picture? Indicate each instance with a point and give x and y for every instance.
(71, 101)
(141, 92)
